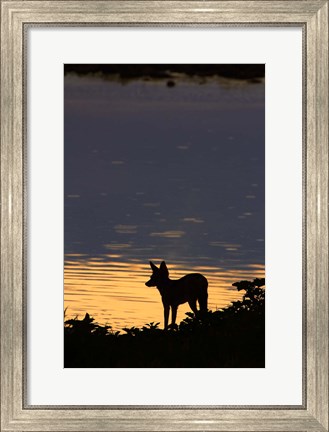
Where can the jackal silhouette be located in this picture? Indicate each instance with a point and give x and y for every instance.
(190, 288)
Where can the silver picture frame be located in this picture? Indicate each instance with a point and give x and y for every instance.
(16, 17)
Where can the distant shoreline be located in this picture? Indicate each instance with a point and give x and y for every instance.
(158, 71)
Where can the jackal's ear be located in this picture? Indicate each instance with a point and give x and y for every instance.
(163, 267)
(153, 266)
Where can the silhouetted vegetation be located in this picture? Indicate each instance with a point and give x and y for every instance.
(231, 337)
(167, 71)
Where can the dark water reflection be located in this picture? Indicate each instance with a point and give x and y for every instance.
(153, 172)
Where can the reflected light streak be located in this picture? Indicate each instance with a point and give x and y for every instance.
(114, 292)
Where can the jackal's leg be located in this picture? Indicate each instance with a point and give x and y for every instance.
(192, 304)
(173, 314)
(166, 315)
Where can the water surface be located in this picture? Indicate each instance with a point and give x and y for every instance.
(161, 173)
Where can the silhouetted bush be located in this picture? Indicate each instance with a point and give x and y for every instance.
(167, 71)
(229, 337)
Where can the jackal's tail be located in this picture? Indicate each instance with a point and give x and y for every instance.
(203, 298)
(203, 302)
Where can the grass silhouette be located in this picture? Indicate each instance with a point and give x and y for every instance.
(231, 337)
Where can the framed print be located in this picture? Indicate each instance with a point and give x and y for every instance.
(163, 166)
